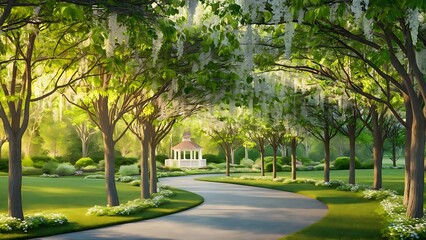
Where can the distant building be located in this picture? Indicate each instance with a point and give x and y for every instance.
(180, 152)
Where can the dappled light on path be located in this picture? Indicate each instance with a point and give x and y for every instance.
(228, 212)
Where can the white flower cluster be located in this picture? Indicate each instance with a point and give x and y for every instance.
(9, 224)
(132, 207)
(157, 44)
(117, 34)
(378, 194)
(413, 23)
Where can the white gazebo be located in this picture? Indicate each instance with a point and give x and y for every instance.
(180, 151)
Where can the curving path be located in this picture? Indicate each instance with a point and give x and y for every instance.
(228, 212)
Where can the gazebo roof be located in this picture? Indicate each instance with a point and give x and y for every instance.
(187, 145)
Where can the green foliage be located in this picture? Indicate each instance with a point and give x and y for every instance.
(305, 160)
(161, 158)
(83, 162)
(129, 170)
(286, 160)
(246, 162)
(119, 161)
(342, 163)
(211, 158)
(286, 168)
(132, 207)
(90, 168)
(95, 176)
(4, 165)
(44, 175)
(319, 167)
(369, 164)
(269, 167)
(50, 167)
(221, 165)
(26, 171)
(65, 169)
(27, 162)
(101, 164)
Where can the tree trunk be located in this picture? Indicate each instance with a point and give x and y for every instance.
(274, 164)
(407, 146)
(228, 159)
(245, 153)
(415, 203)
(111, 190)
(377, 149)
(153, 171)
(327, 140)
(232, 157)
(352, 138)
(394, 154)
(84, 148)
(293, 158)
(144, 164)
(15, 176)
(262, 161)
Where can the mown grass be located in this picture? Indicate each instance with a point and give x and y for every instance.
(349, 216)
(73, 196)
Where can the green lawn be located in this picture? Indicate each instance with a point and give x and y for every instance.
(72, 196)
(349, 217)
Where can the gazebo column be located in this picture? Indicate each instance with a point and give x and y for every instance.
(200, 154)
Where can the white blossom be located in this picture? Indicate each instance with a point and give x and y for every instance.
(356, 8)
(367, 24)
(157, 44)
(413, 23)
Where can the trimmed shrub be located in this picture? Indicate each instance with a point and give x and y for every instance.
(269, 167)
(27, 162)
(121, 161)
(286, 168)
(221, 165)
(4, 165)
(90, 168)
(129, 170)
(305, 160)
(50, 167)
(211, 158)
(65, 169)
(269, 159)
(342, 163)
(43, 159)
(246, 162)
(101, 164)
(84, 162)
(161, 158)
(31, 171)
(319, 167)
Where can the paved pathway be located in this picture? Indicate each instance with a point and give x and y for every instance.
(228, 212)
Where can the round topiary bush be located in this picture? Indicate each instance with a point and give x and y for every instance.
(342, 163)
(319, 167)
(65, 169)
(269, 167)
(246, 162)
(369, 164)
(128, 170)
(84, 162)
(286, 168)
(50, 167)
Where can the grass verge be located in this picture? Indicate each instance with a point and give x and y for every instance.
(349, 216)
(73, 196)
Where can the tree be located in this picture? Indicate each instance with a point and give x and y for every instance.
(31, 54)
(225, 131)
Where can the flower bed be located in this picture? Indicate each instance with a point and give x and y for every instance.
(11, 224)
(133, 206)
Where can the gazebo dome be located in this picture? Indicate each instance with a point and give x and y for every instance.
(187, 144)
